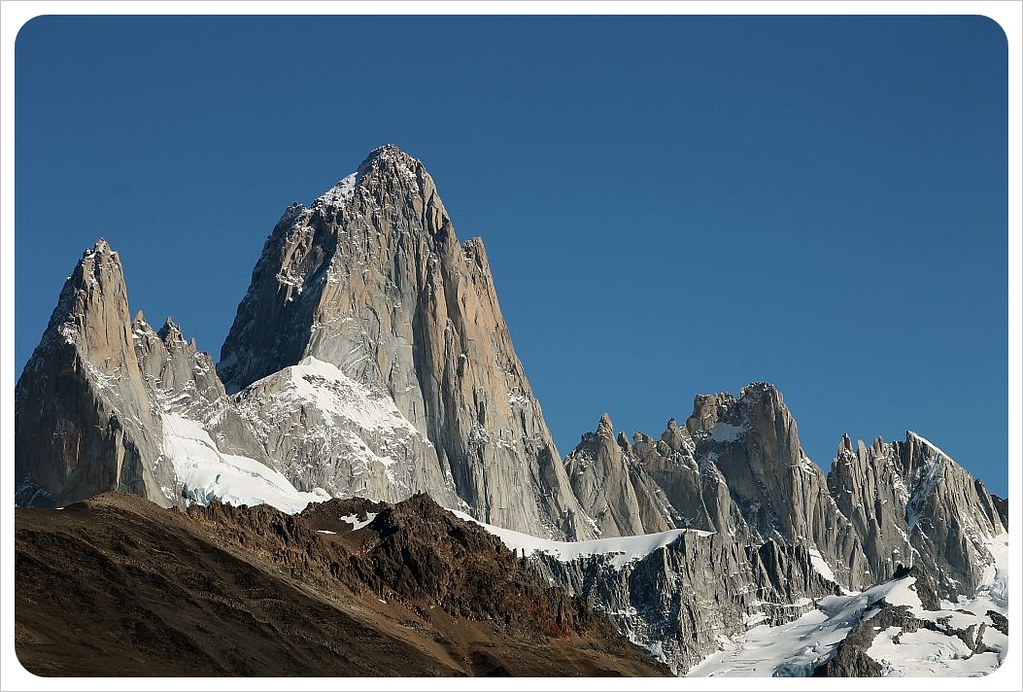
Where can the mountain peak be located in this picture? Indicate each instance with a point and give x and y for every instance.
(754, 390)
(170, 331)
(386, 152)
(390, 159)
(914, 439)
(102, 247)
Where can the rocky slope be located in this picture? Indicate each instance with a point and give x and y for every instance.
(117, 586)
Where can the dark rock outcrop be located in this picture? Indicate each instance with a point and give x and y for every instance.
(223, 590)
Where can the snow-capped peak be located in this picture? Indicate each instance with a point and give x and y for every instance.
(910, 435)
(340, 194)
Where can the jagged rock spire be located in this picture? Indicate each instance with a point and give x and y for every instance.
(83, 423)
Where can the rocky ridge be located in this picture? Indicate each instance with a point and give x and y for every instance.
(737, 468)
(118, 586)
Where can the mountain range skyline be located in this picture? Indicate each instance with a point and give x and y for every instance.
(606, 417)
(729, 200)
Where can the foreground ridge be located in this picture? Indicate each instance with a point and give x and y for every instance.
(355, 588)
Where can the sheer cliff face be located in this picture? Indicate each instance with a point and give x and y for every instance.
(617, 493)
(83, 422)
(737, 468)
(684, 600)
(371, 279)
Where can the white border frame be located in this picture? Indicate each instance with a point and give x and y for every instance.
(14, 14)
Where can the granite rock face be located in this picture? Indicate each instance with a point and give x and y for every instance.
(323, 429)
(107, 403)
(911, 504)
(736, 468)
(83, 420)
(780, 493)
(181, 380)
(616, 492)
(370, 279)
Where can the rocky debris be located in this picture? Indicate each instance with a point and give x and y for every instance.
(224, 590)
(851, 658)
(83, 420)
(371, 279)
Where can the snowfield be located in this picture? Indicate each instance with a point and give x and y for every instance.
(205, 473)
(622, 550)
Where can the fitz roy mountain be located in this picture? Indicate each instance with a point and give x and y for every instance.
(369, 455)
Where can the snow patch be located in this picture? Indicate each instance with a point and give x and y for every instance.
(621, 550)
(725, 432)
(821, 566)
(207, 474)
(324, 385)
(340, 194)
(353, 519)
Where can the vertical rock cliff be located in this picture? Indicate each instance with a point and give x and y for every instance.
(371, 281)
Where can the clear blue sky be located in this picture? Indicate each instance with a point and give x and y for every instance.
(671, 205)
